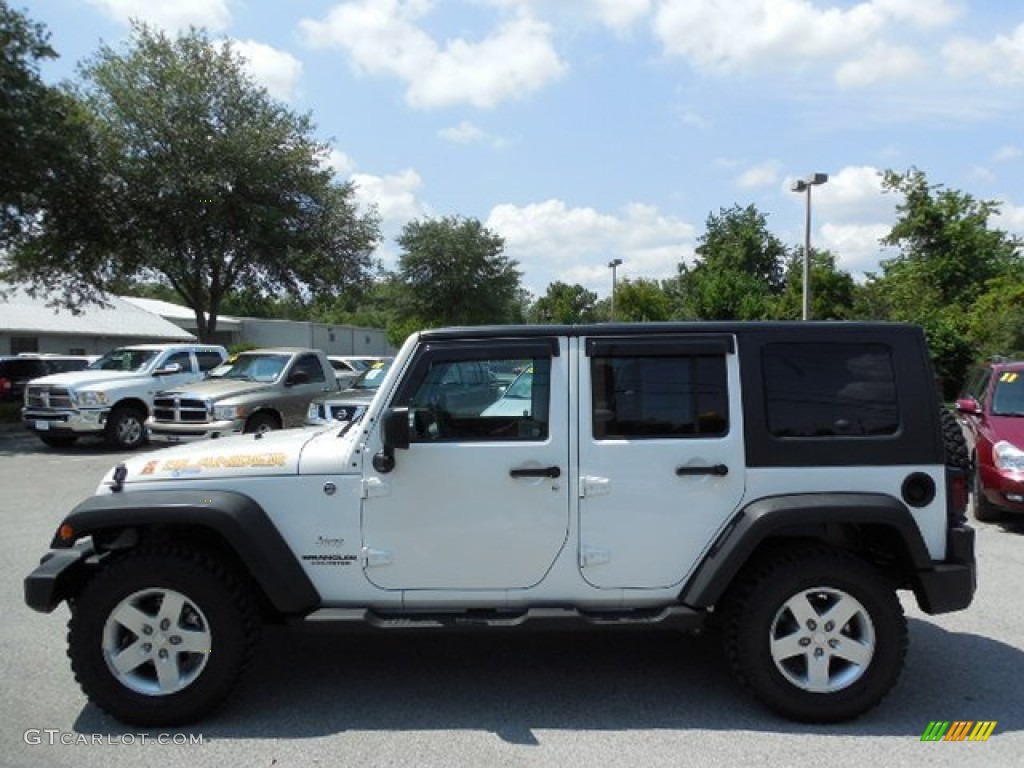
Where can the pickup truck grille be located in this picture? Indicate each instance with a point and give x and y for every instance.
(178, 409)
(47, 398)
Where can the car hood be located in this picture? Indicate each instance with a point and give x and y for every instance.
(88, 378)
(275, 453)
(218, 389)
(1009, 428)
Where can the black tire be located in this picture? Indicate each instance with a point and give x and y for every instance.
(261, 422)
(209, 605)
(58, 441)
(126, 428)
(861, 660)
(982, 509)
(954, 442)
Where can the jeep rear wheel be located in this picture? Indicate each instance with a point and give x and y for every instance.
(817, 635)
(159, 638)
(126, 428)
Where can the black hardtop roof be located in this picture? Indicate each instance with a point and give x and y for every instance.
(789, 329)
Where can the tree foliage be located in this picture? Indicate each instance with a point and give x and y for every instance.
(565, 304)
(738, 270)
(641, 300)
(454, 271)
(205, 183)
(833, 291)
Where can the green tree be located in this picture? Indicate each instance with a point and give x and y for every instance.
(41, 136)
(454, 271)
(565, 304)
(738, 271)
(641, 300)
(949, 258)
(207, 185)
(833, 291)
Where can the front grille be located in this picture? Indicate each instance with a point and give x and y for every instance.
(346, 412)
(181, 410)
(47, 398)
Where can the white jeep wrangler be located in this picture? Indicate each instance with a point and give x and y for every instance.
(778, 481)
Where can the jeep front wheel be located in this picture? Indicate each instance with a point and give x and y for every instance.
(126, 428)
(817, 635)
(159, 638)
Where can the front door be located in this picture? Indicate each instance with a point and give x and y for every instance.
(661, 455)
(480, 500)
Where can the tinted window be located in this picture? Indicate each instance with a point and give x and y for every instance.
(208, 360)
(182, 359)
(309, 365)
(830, 390)
(663, 396)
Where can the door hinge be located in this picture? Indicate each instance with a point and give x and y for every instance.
(373, 486)
(591, 485)
(374, 557)
(594, 556)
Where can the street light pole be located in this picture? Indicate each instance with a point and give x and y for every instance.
(804, 185)
(614, 264)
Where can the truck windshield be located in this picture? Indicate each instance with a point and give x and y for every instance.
(264, 368)
(373, 377)
(124, 360)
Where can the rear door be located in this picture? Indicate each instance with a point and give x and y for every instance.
(661, 455)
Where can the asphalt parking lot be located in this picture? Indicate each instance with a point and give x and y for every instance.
(629, 699)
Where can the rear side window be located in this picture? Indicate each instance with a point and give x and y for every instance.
(815, 390)
(659, 396)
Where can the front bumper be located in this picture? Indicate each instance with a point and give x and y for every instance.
(949, 585)
(65, 422)
(1004, 490)
(162, 432)
(59, 575)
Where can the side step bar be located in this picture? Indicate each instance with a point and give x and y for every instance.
(543, 618)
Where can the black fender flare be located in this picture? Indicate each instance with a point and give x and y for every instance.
(798, 515)
(236, 518)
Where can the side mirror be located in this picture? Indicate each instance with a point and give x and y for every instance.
(394, 433)
(968, 405)
(167, 370)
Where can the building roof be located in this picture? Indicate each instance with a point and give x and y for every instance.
(20, 313)
(179, 314)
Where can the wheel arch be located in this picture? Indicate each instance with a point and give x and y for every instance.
(877, 526)
(132, 402)
(225, 521)
(265, 410)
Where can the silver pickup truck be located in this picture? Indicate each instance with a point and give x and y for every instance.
(262, 390)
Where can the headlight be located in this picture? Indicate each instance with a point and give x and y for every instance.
(1008, 457)
(314, 411)
(90, 399)
(228, 412)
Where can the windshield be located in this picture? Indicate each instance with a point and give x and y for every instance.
(264, 368)
(522, 387)
(1008, 398)
(373, 377)
(124, 360)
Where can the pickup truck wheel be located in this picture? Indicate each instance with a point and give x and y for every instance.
(817, 635)
(58, 441)
(160, 638)
(260, 423)
(126, 428)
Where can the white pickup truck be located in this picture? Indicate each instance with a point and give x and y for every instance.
(113, 397)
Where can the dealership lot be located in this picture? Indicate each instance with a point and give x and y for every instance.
(547, 699)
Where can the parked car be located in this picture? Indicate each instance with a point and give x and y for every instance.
(991, 409)
(16, 371)
(349, 405)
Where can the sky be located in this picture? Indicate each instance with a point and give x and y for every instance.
(583, 131)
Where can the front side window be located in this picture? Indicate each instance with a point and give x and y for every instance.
(182, 359)
(310, 365)
(662, 396)
(481, 400)
(817, 390)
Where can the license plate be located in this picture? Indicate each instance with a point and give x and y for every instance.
(41, 425)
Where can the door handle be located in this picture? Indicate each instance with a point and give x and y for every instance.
(536, 472)
(719, 470)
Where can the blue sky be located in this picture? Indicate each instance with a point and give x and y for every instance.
(586, 130)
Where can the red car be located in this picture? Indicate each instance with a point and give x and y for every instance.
(991, 409)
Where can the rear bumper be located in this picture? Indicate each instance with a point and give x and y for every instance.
(950, 585)
(58, 576)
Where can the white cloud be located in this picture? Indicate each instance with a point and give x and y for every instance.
(381, 37)
(552, 242)
(856, 246)
(170, 15)
(394, 196)
(621, 15)
(1000, 59)
(934, 13)
(1010, 218)
(469, 133)
(277, 71)
(338, 162)
(760, 175)
(880, 62)
(1007, 153)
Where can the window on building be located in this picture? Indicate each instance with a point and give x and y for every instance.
(21, 344)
